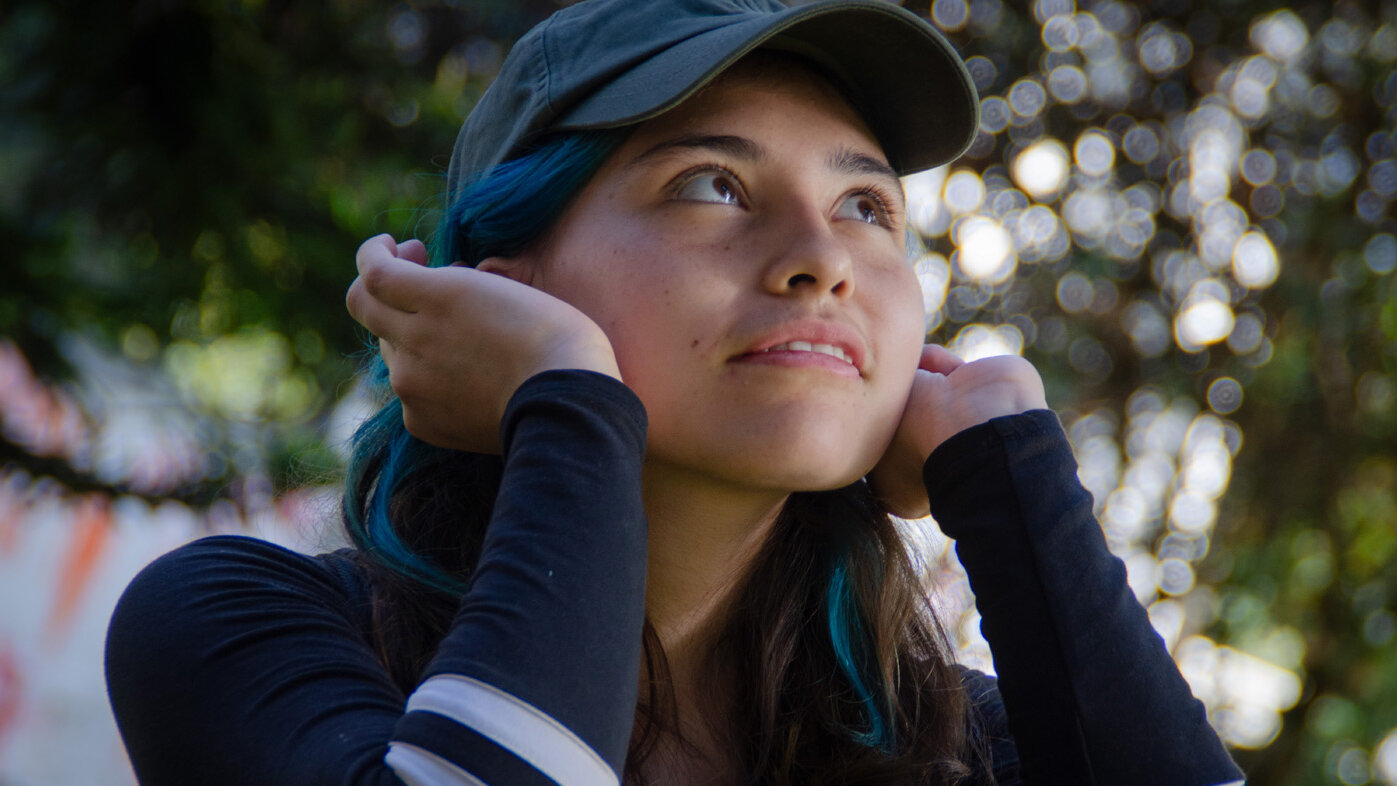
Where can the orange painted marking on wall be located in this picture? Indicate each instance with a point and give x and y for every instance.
(91, 527)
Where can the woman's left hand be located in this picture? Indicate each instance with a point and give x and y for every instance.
(949, 396)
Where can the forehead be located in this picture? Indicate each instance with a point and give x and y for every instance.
(771, 94)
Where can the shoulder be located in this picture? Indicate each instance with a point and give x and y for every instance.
(224, 654)
(221, 566)
(226, 606)
(233, 582)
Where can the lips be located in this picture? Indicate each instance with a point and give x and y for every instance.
(806, 346)
(821, 342)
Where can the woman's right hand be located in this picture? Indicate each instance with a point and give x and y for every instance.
(459, 341)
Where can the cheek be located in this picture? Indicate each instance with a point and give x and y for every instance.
(901, 312)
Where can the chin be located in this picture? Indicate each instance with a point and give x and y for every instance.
(808, 464)
(780, 448)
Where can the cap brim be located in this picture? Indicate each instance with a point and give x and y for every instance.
(907, 81)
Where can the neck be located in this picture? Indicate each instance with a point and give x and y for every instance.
(703, 536)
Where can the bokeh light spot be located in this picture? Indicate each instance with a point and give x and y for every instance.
(985, 252)
(964, 191)
(926, 210)
(1247, 333)
(1323, 101)
(1161, 50)
(1254, 261)
(1376, 393)
(1041, 169)
(1353, 768)
(1191, 513)
(1225, 395)
(407, 29)
(1281, 35)
(1385, 758)
(1147, 327)
(1175, 577)
(977, 341)
(1267, 201)
(1074, 292)
(983, 72)
(1060, 33)
(1047, 10)
(994, 115)
(1380, 253)
(139, 343)
(1204, 319)
(1027, 98)
(1140, 145)
(1370, 206)
(1094, 153)
(1258, 167)
(1067, 84)
(934, 276)
(950, 15)
(1383, 178)
(1090, 358)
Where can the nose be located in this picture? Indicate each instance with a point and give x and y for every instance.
(807, 258)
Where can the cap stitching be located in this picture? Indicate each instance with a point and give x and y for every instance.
(547, 78)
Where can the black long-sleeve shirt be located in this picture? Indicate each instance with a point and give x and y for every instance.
(234, 661)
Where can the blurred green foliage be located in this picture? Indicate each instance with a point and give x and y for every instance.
(187, 182)
(184, 185)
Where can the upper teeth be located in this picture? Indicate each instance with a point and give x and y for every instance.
(806, 346)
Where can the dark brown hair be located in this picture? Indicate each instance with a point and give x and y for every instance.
(801, 717)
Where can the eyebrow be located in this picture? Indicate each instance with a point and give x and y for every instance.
(852, 162)
(844, 160)
(739, 147)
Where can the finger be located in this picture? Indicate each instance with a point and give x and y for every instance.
(400, 283)
(386, 351)
(413, 251)
(939, 360)
(374, 249)
(380, 319)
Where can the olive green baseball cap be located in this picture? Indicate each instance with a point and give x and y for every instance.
(611, 63)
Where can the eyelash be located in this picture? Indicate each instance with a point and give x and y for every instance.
(686, 177)
(879, 195)
(880, 198)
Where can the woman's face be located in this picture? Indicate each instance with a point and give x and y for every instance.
(745, 255)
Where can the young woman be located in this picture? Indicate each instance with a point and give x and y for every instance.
(627, 515)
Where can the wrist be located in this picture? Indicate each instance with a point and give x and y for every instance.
(586, 353)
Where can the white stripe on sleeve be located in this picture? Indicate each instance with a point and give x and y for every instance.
(516, 725)
(418, 767)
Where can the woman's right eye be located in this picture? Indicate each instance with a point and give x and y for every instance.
(716, 187)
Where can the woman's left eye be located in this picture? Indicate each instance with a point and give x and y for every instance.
(862, 207)
(718, 187)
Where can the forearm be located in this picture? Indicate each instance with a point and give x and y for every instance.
(551, 625)
(1092, 694)
(235, 661)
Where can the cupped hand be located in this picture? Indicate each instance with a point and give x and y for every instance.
(948, 396)
(459, 341)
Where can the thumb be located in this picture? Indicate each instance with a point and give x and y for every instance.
(413, 251)
(939, 360)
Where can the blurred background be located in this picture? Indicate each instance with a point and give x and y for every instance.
(1181, 211)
